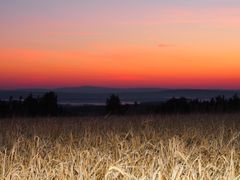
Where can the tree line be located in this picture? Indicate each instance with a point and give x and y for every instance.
(47, 105)
(30, 106)
(218, 104)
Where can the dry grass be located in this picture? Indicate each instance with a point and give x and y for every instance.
(144, 147)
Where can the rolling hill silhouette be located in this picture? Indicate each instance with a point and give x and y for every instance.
(92, 94)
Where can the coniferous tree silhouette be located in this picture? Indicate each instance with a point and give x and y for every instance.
(113, 104)
(31, 105)
(48, 104)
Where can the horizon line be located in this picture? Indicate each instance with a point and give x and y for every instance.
(114, 87)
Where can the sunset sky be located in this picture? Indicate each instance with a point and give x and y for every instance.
(125, 43)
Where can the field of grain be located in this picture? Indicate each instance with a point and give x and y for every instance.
(198, 146)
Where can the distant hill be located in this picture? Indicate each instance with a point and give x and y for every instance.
(92, 89)
(91, 94)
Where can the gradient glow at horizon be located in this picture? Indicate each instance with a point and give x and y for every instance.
(128, 43)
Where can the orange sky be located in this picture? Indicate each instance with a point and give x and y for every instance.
(149, 45)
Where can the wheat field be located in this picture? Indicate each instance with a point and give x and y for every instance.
(197, 146)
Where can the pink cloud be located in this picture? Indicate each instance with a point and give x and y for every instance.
(213, 17)
(79, 34)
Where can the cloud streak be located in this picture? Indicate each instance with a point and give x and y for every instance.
(164, 45)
